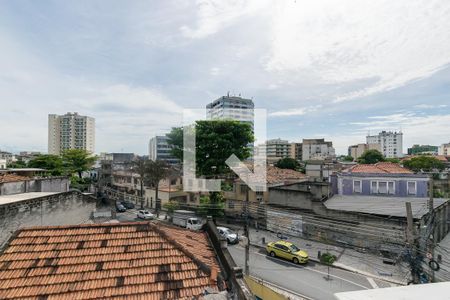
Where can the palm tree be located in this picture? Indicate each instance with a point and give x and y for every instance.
(156, 170)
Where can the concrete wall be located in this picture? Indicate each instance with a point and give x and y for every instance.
(58, 209)
(51, 184)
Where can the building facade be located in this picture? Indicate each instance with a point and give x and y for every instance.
(159, 149)
(70, 131)
(380, 179)
(317, 149)
(356, 151)
(391, 143)
(444, 149)
(423, 149)
(231, 107)
(277, 149)
(296, 151)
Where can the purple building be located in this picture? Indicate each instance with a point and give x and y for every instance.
(381, 179)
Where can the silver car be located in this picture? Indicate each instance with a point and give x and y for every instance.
(232, 237)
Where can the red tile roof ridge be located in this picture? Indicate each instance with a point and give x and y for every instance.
(87, 225)
(203, 266)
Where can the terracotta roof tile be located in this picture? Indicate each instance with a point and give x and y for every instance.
(379, 168)
(6, 177)
(140, 259)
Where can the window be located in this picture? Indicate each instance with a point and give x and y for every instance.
(382, 187)
(391, 187)
(412, 188)
(230, 204)
(374, 187)
(243, 188)
(357, 186)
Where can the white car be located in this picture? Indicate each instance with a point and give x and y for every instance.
(227, 233)
(145, 214)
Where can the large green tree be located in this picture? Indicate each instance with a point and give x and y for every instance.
(78, 161)
(216, 141)
(288, 163)
(424, 163)
(52, 163)
(371, 157)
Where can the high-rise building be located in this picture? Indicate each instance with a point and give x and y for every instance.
(70, 131)
(276, 149)
(391, 143)
(234, 108)
(423, 149)
(444, 149)
(356, 151)
(231, 107)
(317, 149)
(296, 151)
(159, 149)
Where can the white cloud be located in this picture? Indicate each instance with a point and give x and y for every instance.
(294, 111)
(214, 15)
(386, 43)
(430, 106)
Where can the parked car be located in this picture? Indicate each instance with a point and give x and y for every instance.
(232, 237)
(145, 214)
(288, 251)
(120, 207)
(128, 204)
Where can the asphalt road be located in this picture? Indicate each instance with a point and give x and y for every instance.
(308, 280)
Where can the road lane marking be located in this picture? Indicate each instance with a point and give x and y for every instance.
(372, 283)
(317, 271)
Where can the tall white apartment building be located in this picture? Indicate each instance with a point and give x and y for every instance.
(317, 149)
(231, 107)
(444, 149)
(391, 143)
(70, 131)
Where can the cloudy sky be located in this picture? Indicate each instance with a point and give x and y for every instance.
(333, 69)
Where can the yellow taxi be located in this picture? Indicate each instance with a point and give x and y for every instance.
(288, 251)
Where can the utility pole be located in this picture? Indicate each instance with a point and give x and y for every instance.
(411, 238)
(246, 232)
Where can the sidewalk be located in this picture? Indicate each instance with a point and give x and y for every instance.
(348, 259)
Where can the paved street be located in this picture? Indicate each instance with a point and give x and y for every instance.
(309, 280)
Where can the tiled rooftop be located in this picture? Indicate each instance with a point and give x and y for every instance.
(378, 168)
(277, 175)
(5, 177)
(126, 260)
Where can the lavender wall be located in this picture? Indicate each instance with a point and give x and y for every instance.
(400, 187)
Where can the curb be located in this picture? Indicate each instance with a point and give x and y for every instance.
(347, 268)
(338, 265)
